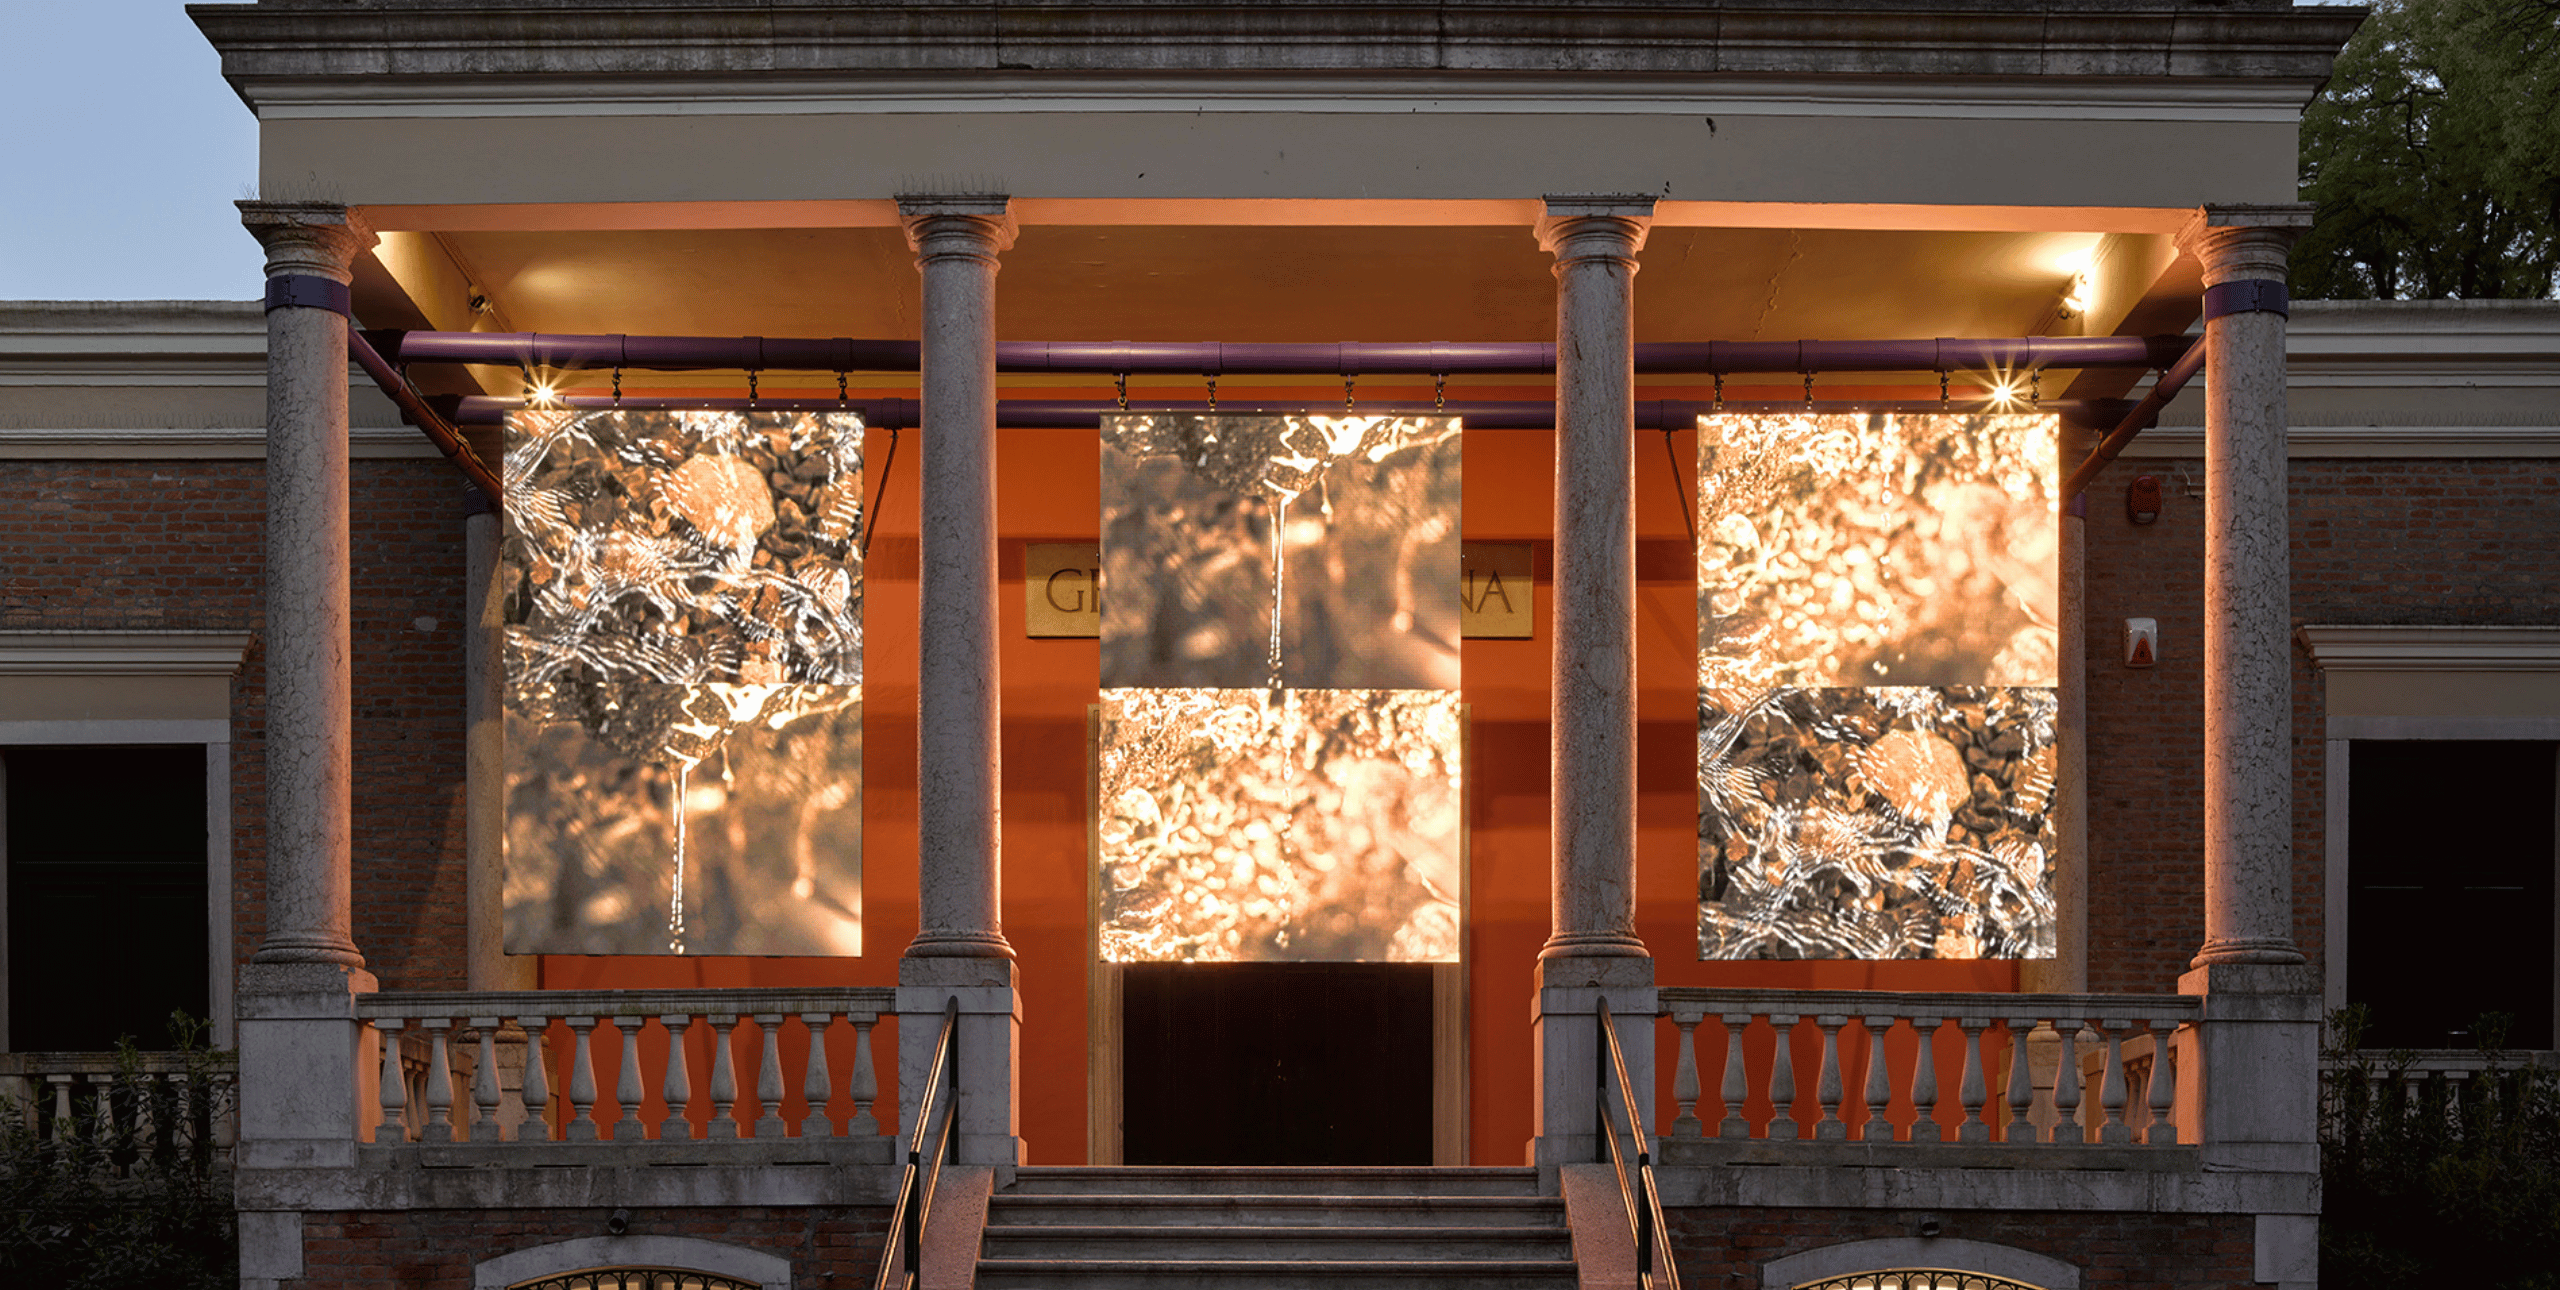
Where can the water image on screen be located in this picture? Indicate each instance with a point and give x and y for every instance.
(682, 594)
(1883, 822)
(1280, 749)
(1322, 826)
(1876, 549)
(1876, 672)
(1342, 529)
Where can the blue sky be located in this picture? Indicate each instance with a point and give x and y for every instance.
(121, 151)
(117, 173)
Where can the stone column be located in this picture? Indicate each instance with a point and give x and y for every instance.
(2248, 627)
(1592, 950)
(484, 823)
(2249, 1081)
(301, 1064)
(959, 950)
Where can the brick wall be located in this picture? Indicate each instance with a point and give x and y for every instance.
(135, 545)
(2374, 541)
(1725, 1248)
(431, 1249)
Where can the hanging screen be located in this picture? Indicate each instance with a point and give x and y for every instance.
(1876, 673)
(1280, 728)
(683, 604)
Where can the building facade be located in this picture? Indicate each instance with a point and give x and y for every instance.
(237, 564)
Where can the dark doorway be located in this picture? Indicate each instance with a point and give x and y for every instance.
(106, 873)
(1276, 1064)
(2449, 889)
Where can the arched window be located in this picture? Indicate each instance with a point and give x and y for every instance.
(1919, 1263)
(634, 1263)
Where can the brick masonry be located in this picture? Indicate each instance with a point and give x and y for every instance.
(137, 545)
(2400, 541)
(1725, 1248)
(432, 1249)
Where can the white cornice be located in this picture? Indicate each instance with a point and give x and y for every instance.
(2342, 648)
(2159, 99)
(129, 653)
(181, 443)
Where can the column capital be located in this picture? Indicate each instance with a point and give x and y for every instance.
(973, 225)
(1584, 226)
(322, 238)
(2238, 242)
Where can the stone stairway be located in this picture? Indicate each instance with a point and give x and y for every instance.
(1281, 1228)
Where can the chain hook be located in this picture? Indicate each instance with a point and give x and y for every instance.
(1213, 394)
(840, 395)
(1808, 391)
(2035, 389)
(1943, 397)
(1718, 405)
(1120, 386)
(1350, 405)
(751, 389)
(1439, 391)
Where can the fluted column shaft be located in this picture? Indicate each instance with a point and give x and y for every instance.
(309, 731)
(2248, 673)
(1593, 731)
(959, 828)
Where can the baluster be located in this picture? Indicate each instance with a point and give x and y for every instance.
(394, 1093)
(2161, 1130)
(102, 1109)
(1878, 1094)
(1972, 1091)
(2111, 1090)
(537, 1078)
(627, 1088)
(1737, 1085)
(438, 1126)
(2066, 1083)
(2021, 1127)
(484, 1082)
(1684, 1078)
(1782, 1079)
(678, 1090)
(724, 1078)
(866, 1081)
(224, 1110)
(1924, 1082)
(816, 1088)
(64, 1127)
(769, 1077)
(582, 1125)
(1830, 1128)
(146, 1087)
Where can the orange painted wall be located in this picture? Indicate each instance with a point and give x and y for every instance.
(1049, 491)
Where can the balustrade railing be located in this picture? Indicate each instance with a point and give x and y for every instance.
(2365, 1090)
(709, 1065)
(1850, 1065)
(126, 1105)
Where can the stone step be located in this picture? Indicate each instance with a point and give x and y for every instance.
(1292, 1210)
(1223, 1180)
(1278, 1244)
(1273, 1274)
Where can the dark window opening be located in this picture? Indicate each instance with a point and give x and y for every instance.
(1276, 1064)
(106, 891)
(2450, 859)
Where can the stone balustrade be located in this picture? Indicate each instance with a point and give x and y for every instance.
(718, 1070)
(123, 1103)
(1851, 1069)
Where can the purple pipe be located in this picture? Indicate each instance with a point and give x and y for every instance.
(2135, 421)
(1078, 414)
(1215, 358)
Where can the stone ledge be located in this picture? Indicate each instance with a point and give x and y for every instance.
(1912, 1185)
(391, 1178)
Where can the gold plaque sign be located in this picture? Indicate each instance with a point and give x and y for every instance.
(1494, 598)
(1062, 591)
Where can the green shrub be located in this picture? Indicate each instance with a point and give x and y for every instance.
(96, 1204)
(2438, 1184)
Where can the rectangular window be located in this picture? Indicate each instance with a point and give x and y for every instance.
(106, 893)
(2450, 859)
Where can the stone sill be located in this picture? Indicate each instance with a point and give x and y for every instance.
(648, 1153)
(1750, 1152)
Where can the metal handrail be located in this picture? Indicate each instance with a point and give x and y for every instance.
(902, 1261)
(1642, 1197)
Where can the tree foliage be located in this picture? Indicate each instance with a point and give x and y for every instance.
(2434, 156)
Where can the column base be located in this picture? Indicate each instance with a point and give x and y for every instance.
(1564, 1025)
(2271, 951)
(2249, 1071)
(305, 1069)
(989, 1039)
